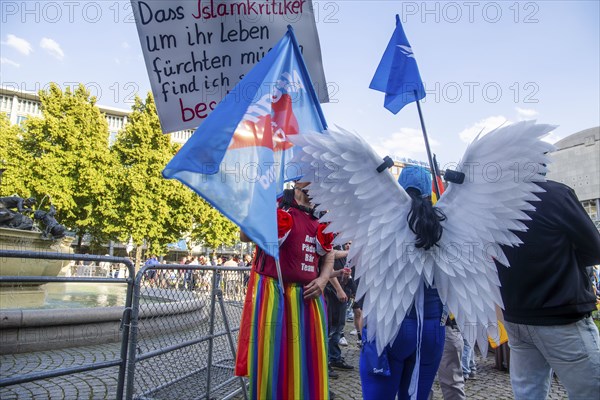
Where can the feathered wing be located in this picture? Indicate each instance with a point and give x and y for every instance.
(368, 208)
(501, 169)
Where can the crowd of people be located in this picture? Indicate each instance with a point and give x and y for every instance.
(190, 279)
(103, 269)
(167, 278)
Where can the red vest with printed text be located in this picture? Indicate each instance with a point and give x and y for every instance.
(298, 255)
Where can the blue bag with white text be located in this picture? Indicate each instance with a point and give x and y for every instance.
(375, 364)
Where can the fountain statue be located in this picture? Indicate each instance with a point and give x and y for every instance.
(18, 231)
(15, 219)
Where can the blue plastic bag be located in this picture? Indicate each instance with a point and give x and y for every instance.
(374, 363)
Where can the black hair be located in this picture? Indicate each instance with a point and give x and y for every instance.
(287, 199)
(424, 220)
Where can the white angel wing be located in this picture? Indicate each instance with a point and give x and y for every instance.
(500, 170)
(368, 208)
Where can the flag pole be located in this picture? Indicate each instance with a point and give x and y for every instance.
(431, 165)
(436, 166)
(304, 71)
(311, 90)
(279, 277)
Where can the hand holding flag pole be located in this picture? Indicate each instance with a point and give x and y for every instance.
(398, 77)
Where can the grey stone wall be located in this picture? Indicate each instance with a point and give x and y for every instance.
(576, 163)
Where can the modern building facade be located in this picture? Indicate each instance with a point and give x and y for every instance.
(20, 105)
(576, 163)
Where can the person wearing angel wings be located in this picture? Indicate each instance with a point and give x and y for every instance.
(395, 267)
(420, 340)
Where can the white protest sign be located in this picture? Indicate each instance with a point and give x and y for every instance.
(197, 50)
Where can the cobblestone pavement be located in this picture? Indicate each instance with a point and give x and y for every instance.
(101, 384)
(152, 374)
(490, 383)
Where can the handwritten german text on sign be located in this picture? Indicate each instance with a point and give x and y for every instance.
(196, 51)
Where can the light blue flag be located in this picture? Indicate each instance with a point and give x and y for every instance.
(397, 74)
(238, 159)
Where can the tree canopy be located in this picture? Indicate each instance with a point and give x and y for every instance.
(106, 192)
(212, 228)
(153, 209)
(12, 159)
(69, 163)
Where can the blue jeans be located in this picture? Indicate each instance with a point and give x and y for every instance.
(468, 359)
(336, 320)
(572, 351)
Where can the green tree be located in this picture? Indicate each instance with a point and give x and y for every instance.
(151, 210)
(71, 162)
(212, 228)
(13, 160)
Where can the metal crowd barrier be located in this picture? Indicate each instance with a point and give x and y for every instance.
(121, 362)
(182, 343)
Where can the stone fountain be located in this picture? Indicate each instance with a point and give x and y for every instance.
(18, 232)
(25, 326)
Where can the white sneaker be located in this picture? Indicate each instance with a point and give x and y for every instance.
(343, 341)
(353, 332)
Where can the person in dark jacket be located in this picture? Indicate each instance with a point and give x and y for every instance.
(548, 299)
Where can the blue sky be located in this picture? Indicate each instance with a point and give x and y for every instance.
(482, 62)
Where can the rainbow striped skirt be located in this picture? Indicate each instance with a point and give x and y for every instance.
(282, 345)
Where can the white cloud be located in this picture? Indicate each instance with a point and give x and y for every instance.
(407, 142)
(526, 113)
(485, 125)
(19, 44)
(9, 62)
(52, 48)
(125, 45)
(117, 61)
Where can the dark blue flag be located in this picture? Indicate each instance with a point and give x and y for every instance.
(397, 74)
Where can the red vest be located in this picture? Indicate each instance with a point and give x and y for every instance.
(299, 252)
